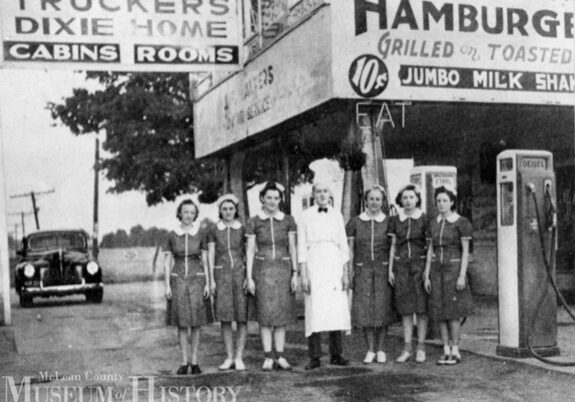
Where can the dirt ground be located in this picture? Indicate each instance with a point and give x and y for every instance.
(121, 350)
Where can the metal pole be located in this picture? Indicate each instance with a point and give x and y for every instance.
(35, 210)
(4, 260)
(23, 225)
(286, 174)
(96, 197)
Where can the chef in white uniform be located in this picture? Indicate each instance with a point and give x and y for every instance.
(323, 256)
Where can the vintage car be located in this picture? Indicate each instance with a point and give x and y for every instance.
(57, 263)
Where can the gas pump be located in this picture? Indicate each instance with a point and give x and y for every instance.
(525, 254)
(428, 178)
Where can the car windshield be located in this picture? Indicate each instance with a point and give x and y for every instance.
(56, 240)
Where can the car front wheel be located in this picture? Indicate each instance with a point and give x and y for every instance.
(95, 296)
(26, 301)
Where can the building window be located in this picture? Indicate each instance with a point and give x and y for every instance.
(265, 20)
(251, 18)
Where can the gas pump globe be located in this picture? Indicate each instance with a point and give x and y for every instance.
(428, 178)
(527, 302)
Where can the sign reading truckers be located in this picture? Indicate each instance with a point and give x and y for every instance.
(121, 35)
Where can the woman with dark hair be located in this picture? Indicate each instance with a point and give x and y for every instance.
(226, 259)
(272, 272)
(369, 256)
(445, 276)
(186, 280)
(406, 266)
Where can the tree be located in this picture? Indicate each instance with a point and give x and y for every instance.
(147, 118)
(149, 141)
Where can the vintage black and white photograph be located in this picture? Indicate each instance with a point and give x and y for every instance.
(287, 200)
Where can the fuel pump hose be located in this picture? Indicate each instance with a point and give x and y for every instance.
(548, 269)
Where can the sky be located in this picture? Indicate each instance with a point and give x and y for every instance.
(41, 155)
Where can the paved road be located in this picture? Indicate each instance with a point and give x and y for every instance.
(109, 351)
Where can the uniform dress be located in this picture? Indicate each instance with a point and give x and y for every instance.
(371, 306)
(322, 244)
(446, 302)
(272, 270)
(409, 262)
(188, 308)
(230, 302)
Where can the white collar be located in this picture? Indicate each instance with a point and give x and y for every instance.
(403, 216)
(451, 219)
(366, 218)
(222, 226)
(192, 231)
(278, 216)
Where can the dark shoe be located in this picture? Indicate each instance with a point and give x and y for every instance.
(182, 370)
(195, 369)
(338, 360)
(443, 360)
(313, 364)
(453, 359)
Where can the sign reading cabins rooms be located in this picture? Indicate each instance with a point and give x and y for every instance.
(130, 35)
(511, 51)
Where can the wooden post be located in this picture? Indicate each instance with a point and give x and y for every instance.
(286, 175)
(227, 185)
(237, 184)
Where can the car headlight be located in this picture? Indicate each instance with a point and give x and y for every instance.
(92, 267)
(29, 270)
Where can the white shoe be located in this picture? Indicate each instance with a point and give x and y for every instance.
(369, 357)
(404, 356)
(420, 356)
(226, 365)
(240, 366)
(381, 357)
(268, 365)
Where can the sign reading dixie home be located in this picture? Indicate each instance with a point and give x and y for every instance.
(482, 51)
(134, 35)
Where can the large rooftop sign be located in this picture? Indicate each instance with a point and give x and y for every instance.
(129, 35)
(481, 51)
(511, 51)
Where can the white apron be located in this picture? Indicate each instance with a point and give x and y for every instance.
(326, 307)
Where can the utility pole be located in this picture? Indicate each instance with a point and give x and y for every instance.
(32, 195)
(22, 214)
(96, 198)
